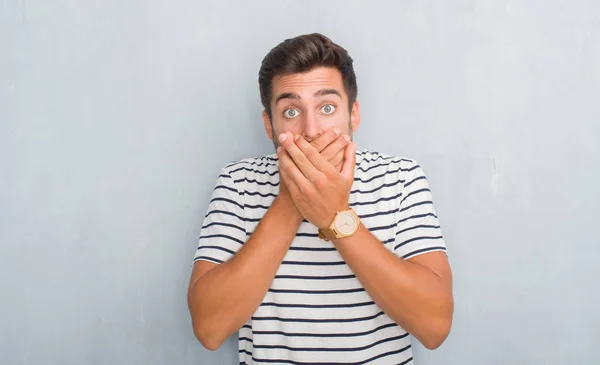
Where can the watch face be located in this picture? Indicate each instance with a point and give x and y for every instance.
(345, 223)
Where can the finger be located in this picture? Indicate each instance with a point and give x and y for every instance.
(350, 157)
(338, 159)
(338, 167)
(285, 182)
(336, 147)
(298, 156)
(325, 139)
(291, 172)
(313, 156)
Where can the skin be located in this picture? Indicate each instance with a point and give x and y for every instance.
(317, 171)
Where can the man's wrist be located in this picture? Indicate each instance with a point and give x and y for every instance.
(286, 207)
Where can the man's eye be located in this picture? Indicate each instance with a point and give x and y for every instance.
(328, 109)
(290, 113)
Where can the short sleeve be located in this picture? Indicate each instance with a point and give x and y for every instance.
(418, 229)
(223, 231)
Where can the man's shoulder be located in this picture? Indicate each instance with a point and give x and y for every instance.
(262, 164)
(369, 162)
(254, 173)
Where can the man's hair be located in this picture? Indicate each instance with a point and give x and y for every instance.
(303, 54)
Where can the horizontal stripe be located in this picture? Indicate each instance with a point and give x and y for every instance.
(413, 180)
(216, 248)
(233, 215)
(223, 236)
(298, 234)
(417, 216)
(318, 320)
(427, 202)
(380, 157)
(256, 206)
(223, 212)
(352, 193)
(254, 171)
(313, 249)
(252, 181)
(378, 176)
(377, 214)
(415, 227)
(302, 277)
(387, 164)
(414, 193)
(217, 261)
(301, 234)
(314, 263)
(345, 363)
(358, 191)
(226, 200)
(331, 349)
(327, 335)
(381, 228)
(376, 201)
(225, 187)
(417, 239)
(439, 248)
(224, 225)
(298, 291)
(264, 195)
(317, 306)
(253, 163)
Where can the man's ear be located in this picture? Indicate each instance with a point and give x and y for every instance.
(268, 125)
(355, 116)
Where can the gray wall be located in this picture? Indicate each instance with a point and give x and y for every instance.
(115, 118)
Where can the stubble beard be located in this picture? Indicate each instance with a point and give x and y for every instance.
(275, 138)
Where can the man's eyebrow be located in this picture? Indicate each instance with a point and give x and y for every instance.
(287, 96)
(319, 93)
(324, 92)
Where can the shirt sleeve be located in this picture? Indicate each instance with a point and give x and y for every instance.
(418, 228)
(223, 231)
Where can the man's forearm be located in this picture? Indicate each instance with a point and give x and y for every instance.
(224, 298)
(414, 296)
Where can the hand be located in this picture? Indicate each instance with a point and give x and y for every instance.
(331, 145)
(317, 188)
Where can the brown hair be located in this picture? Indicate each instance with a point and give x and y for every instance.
(302, 54)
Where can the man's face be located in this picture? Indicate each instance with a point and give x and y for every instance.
(309, 104)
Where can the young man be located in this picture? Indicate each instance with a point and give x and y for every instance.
(319, 253)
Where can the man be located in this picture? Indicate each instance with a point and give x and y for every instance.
(319, 253)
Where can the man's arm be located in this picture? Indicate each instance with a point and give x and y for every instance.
(223, 297)
(415, 293)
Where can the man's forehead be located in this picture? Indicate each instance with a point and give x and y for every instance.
(320, 78)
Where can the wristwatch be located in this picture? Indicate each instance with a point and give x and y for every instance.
(345, 224)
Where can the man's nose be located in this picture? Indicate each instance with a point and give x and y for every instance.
(312, 128)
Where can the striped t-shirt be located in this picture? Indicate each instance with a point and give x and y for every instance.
(316, 310)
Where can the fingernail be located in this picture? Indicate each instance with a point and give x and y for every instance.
(279, 149)
(347, 137)
(336, 131)
(282, 137)
(296, 137)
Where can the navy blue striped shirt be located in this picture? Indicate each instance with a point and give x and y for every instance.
(316, 310)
